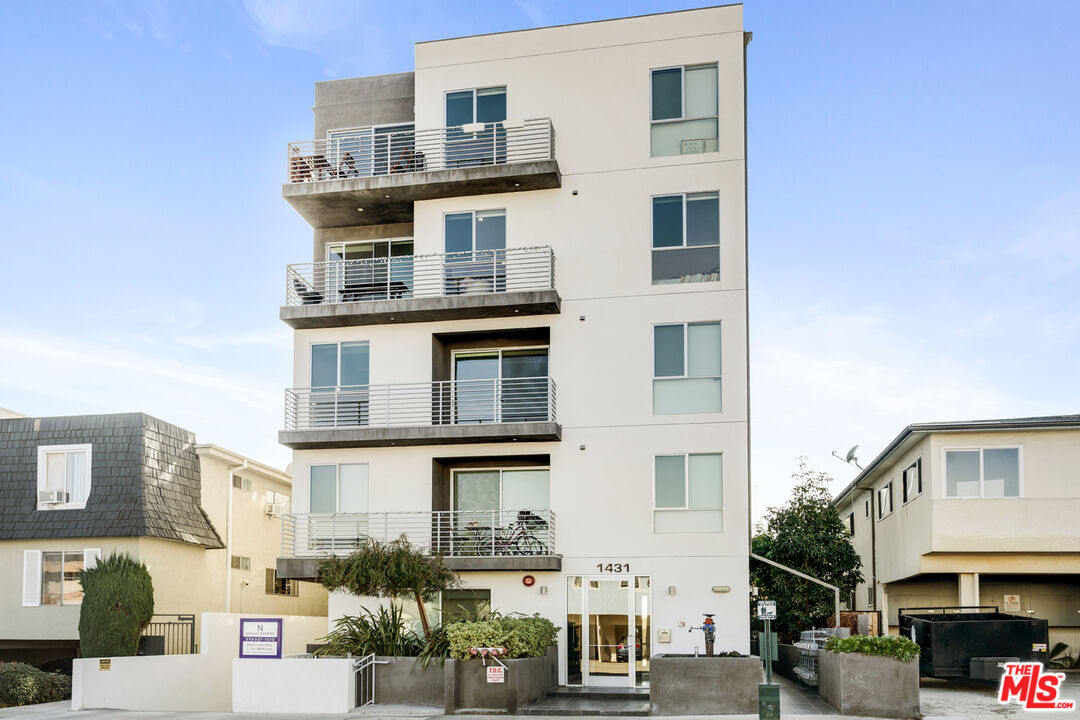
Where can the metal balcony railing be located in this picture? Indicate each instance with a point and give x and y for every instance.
(415, 276)
(370, 153)
(452, 533)
(445, 402)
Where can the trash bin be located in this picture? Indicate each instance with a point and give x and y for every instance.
(768, 701)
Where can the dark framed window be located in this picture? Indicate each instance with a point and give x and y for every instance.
(885, 500)
(686, 238)
(465, 604)
(913, 480)
(851, 524)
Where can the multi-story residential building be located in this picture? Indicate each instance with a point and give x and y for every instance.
(972, 513)
(205, 521)
(549, 214)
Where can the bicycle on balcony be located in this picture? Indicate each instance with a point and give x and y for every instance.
(516, 539)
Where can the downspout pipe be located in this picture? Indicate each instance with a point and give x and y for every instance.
(228, 533)
(804, 576)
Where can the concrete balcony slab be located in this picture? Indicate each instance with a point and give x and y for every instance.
(325, 438)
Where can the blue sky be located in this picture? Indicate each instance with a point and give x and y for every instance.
(914, 207)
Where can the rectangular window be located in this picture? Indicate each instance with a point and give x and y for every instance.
(474, 130)
(688, 493)
(475, 245)
(684, 110)
(338, 489)
(241, 483)
(281, 586)
(277, 503)
(870, 597)
(686, 368)
(686, 238)
(851, 524)
(885, 504)
(508, 491)
(60, 583)
(361, 152)
(63, 476)
(913, 480)
(866, 507)
(465, 604)
(239, 562)
(982, 472)
(339, 385)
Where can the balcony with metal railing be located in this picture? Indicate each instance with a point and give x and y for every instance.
(435, 413)
(420, 288)
(369, 177)
(466, 539)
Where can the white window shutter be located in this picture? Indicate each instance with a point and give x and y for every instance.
(91, 557)
(31, 578)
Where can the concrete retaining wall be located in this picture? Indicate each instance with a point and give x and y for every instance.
(293, 686)
(683, 685)
(527, 679)
(405, 681)
(869, 685)
(786, 662)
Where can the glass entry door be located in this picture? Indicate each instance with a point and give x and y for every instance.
(608, 627)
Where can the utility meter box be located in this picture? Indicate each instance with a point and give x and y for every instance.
(664, 636)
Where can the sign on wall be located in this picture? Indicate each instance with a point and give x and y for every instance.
(260, 637)
(1012, 603)
(496, 674)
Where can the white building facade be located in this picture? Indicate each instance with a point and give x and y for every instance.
(522, 338)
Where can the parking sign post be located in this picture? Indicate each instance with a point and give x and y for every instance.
(768, 691)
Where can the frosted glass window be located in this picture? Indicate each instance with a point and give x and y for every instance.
(688, 521)
(687, 380)
(701, 87)
(670, 479)
(668, 351)
(962, 473)
(353, 488)
(667, 138)
(706, 481)
(703, 350)
(322, 489)
(525, 490)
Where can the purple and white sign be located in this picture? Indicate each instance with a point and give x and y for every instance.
(260, 637)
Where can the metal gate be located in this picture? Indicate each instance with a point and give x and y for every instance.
(169, 635)
(365, 680)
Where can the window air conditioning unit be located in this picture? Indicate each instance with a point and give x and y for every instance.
(52, 496)
(700, 145)
(275, 509)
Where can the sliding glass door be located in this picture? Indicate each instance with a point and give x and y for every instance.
(501, 386)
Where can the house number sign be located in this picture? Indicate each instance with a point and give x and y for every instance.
(613, 567)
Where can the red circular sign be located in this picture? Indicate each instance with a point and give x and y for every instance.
(528, 581)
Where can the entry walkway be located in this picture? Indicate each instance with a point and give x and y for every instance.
(795, 699)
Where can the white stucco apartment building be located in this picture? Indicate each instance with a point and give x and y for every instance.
(972, 513)
(522, 336)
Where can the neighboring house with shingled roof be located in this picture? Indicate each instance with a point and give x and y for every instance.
(205, 521)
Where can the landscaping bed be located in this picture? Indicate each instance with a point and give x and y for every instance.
(688, 685)
(22, 684)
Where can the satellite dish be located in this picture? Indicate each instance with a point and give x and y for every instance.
(851, 454)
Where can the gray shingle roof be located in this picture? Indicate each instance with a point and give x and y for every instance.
(144, 480)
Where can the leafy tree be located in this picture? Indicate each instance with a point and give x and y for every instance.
(808, 535)
(117, 605)
(392, 570)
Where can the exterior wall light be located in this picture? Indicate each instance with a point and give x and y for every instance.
(670, 589)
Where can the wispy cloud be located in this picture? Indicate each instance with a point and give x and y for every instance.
(42, 373)
(532, 10)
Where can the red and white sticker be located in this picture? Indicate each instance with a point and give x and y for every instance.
(496, 674)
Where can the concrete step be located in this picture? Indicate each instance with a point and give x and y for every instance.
(578, 707)
(599, 693)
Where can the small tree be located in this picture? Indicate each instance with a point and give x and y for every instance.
(392, 570)
(807, 535)
(117, 605)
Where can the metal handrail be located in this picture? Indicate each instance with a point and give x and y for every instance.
(415, 276)
(444, 402)
(367, 153)
(450, 533)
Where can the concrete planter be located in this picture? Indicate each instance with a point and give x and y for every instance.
(687, 685)
(869, 685)
(405, 681)
(527, 679)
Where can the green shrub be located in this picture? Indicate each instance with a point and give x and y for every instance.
(117, 605)
(521, 636)
(22, 684)
(382, 633)
(892, 646)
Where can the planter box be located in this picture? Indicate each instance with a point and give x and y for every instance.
(688, 685)
(405, 681)
(527, 679)
(869, 685)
